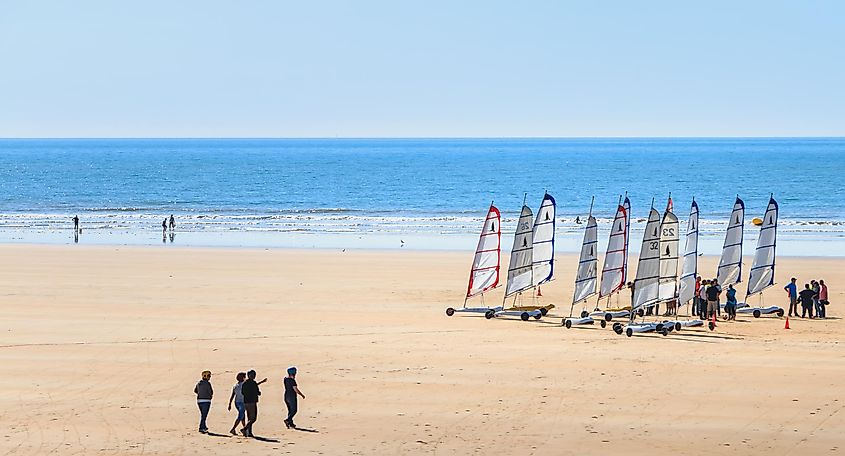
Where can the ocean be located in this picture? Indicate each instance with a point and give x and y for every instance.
(407, 193)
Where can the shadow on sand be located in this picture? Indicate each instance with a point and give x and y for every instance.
(264, 439)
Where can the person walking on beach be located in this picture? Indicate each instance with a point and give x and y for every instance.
(172, 223)
(238, 397)
(291, 391)
(806, 297)
(76, 224)
(164, 226)
(792, 291)
(823, 299)
(250, 391)
(730, 303)
(204, 393)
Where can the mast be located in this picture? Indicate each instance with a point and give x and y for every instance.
(762, 273)
(484, 273)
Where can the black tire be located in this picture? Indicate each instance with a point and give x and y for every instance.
(780, 312)
(629, 332)
(665, 332)
(677, 326)
(489, 314)
(544, 311)
(608, 317)
(711, 326)
(617, 329)
(756, 313)
(567, 323)
(538, 316)
(584, 314)
(603, 324)
(640, 312)
(524, 316)
(450, 311)
(659, 327)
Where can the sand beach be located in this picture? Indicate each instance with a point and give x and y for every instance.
(101, 346)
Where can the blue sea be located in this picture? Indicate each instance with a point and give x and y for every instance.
(406, 193)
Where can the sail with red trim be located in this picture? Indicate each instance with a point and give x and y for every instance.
(762, 274)
(484, 274)
(667, 288)
(613, 271)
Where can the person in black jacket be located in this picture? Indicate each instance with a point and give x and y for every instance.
(806, 298)
(250, 392)
(291, 391)
(204, 393)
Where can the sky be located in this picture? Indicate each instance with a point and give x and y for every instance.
(421, 68)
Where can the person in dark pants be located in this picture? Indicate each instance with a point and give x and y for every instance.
(730, 304)
(204, 393)
(172, 223)
(792, 291)
(76, 223)
(806, 297)
(291, 391)
(250, 391)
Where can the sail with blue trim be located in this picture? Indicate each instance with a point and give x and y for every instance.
(544, 241)
(762, 273)
(689, 266)
(730, 264)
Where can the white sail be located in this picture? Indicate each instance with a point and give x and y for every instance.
(544, 241)
(689, 268)
(627, 205)
(585, 279)
(648, 267)
(762, 274)
(484, 274)
(613, 271)
(730, 265)
(520, 267)
(668, 277)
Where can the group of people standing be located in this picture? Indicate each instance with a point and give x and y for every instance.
(708, 302)
(813, 297)
(245, 394)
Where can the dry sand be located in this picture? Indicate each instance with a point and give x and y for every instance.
(100, 348)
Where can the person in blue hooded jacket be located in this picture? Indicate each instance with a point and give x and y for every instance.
(730, 304)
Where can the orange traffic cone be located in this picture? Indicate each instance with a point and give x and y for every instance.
(539, 293)
(786, 326)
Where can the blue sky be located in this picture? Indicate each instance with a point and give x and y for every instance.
(421, 68)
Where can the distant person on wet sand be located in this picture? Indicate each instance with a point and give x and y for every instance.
(164, 225)
(291, 391)
(172, 223)
(250, 391)
(204, 393)
(76, 223)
